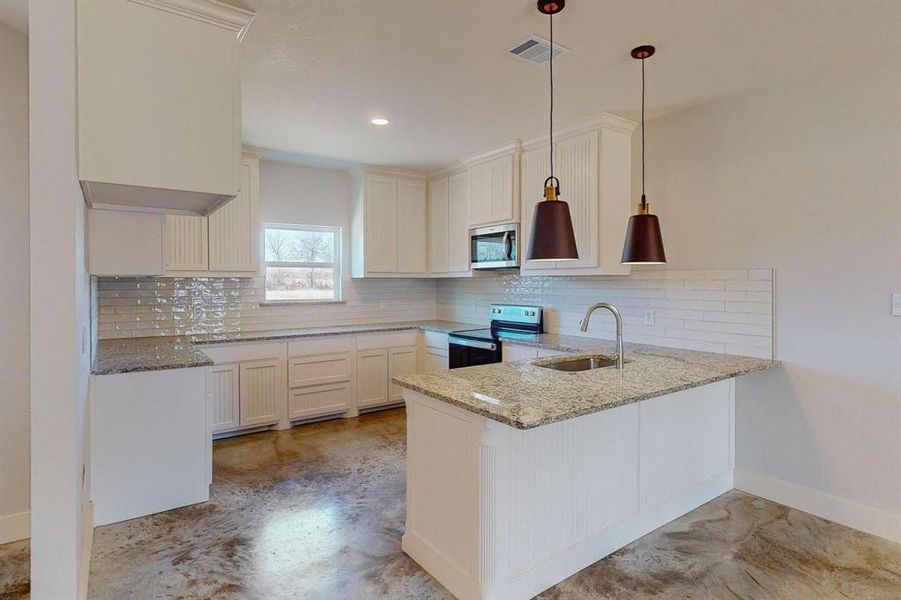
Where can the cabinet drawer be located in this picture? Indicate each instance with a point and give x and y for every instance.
(322, 345)
(374, 341)
(319, 369)
(434, 339)
(319, 400)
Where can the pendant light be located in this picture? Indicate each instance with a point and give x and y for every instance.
(552, 227)
(644, 243)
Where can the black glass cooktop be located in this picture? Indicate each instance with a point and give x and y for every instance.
(493, 336)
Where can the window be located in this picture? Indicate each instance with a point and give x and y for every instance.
(302, 263)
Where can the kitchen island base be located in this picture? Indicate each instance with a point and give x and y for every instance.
(496, 512)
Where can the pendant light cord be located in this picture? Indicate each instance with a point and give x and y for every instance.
(552, 94)
(643, 200)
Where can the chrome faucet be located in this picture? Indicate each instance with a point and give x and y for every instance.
(583, 326)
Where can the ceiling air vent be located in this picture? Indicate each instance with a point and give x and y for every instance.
(536, 50)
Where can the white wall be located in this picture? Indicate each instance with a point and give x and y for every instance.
(59, 310)
(805, 178)
(14, 401)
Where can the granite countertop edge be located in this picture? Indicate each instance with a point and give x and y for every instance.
(184, 352)
(523, 424)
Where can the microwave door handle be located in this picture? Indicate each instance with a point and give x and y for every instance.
(508, 246)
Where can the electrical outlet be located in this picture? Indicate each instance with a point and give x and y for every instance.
(650, 317)
(896, 304)
(384, 304)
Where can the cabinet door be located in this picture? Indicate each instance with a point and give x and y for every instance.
(411, 226)
(233, 227)
(186, 243)
(534, 168)
(480, 197)
(401, 361)
(381, 224)
(222, 397)
(262, 387)
(372, 377)
(434, 359)
(458, 223)
(513, 352)
(438, 225)
(577, 164)
(318, 400)
(492, 192)
(502, 209)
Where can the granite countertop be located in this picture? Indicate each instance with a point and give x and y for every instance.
(157, 353)
(524, 396)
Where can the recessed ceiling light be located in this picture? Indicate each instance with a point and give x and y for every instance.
(379, 121)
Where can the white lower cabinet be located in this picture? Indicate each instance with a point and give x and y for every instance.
(401, 361)
(372, 377)
(320, 377)
(262, 386)
(255, 385)
(435, 356)
(222, 393)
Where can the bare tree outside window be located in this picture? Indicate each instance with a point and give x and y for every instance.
(302, 262)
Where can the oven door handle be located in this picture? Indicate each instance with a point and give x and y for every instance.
(453, 341)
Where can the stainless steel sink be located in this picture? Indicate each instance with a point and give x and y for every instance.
(580, 363)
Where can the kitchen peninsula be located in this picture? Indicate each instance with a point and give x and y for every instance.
(519, 475)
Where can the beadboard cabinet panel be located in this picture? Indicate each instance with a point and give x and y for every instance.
(458, 223)
(262, 388)
(186, 243)
(381, 224)
(223, 394)
(234, 227)
(411, 226)
(494, 193)
(438, 215)
(372, 377)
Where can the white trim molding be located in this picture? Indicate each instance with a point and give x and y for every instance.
(15, 527)
(843, 511)
(212, 12)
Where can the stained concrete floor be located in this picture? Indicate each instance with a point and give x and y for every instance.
(318, 511)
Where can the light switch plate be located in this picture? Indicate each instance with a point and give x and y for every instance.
(896, 304)
(650, 317)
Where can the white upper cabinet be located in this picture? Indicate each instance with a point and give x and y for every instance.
(494, 191)
(159, 114)
(458, 223)
(185, 243)
(594, 168)
(438, 226)
(411, 226)
(234, 228)
(449, 226)
(389, 237)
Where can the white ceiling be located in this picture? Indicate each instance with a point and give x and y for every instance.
(314, 73)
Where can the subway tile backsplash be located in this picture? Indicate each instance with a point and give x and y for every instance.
(150, 306)
(712, 310)
(724, 310)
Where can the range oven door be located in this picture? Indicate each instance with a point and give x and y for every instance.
(494, 247)
(463, 352)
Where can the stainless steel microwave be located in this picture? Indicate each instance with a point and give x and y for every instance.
(495, 247)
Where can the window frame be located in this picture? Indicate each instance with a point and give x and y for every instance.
(337, 264)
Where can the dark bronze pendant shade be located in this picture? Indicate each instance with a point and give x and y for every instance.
(552, 228)
(552, 236)
(644, 242)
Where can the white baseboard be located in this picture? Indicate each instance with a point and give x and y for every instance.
(14, 527)
(87, 545)
(846, 512)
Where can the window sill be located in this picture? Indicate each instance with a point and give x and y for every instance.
(300, 302)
